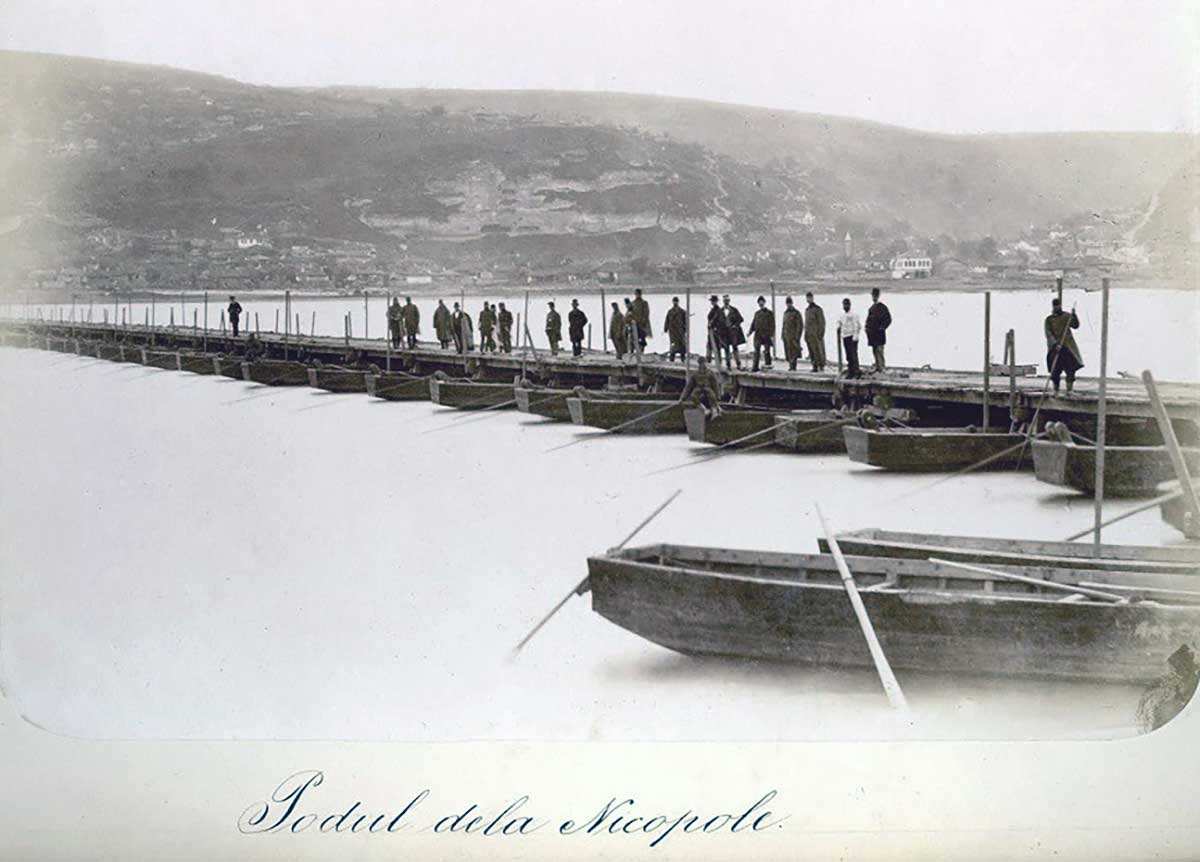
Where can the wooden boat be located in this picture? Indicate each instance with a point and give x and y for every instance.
(934, 449)
(275, 372)
(552, 403)
(1176, 513)
(1129, 471)
(632, 416)
(732, 423)
(168, 359)
(333, 378)
(196, 363)
(110, 351)
(228, 366)
(396, 386)
(469, 394)
(928, 617)
(812, 430)
(984, 551)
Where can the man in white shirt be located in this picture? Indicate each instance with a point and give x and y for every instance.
(849, 327)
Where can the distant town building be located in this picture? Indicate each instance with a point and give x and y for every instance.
(418, 279)
(910, 266)
(848, 247)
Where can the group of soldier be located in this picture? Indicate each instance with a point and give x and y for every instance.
(726, 335)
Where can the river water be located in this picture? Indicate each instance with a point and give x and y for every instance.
(1150, 328)
(198, 557)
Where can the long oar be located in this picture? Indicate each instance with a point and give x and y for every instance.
(971, 467)
(1062, 339)
(1149, 504)
(582, 584)
(891, 687)
(401, 387)
(476, 417)
(1025, 579)
(617, 428)
(718, 454)
(712, 457)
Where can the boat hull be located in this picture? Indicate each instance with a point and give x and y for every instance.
(731, 424)
(396, 387)
(196, 363)
(275, 372)
(1129, 471)
(548, 403)
(630, 416)
(811, 431)
(988, 551)
(1176, 513)
(469, 395)
(933, 449)
(228, 366)
(333, 379)
(779, 617)
(166, 359)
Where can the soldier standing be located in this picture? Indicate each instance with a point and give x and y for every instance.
(814, 332)
(762, 327)
(733, 326)
(616, 331)
(878, 320)
(395, 318)
(412, 322)
(553, 329)
(505, 320)
(641, 316)
(576, 322)
(676, 327)
(442, 324)
(235, 314)
(793, 329)
(718, 333)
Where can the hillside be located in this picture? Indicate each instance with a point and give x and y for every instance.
(95, 153)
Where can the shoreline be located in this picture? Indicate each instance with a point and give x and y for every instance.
(795, 286)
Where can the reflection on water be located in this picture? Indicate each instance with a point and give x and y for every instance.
(199, 557)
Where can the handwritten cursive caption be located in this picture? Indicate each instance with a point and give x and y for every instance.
(290, 809)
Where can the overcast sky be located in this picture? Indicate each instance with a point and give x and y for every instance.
(955, 66)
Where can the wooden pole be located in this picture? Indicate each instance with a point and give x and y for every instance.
(206, 321)
(1149, 504)
(153, 309)
(1101, 415)
(276, 328)
(891, 687)
(257, 328)
(1058, 283)
(582, 586)
(312, 330)
(687, 331)
(366, 315)
(1025, 579)
(1010, 356)
(1172, 443)
(839, 347)
(987, 359)
(772, 304)
(603, 321)
(297, 330)
(287, 320)
(589, 336)
(529, 339)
